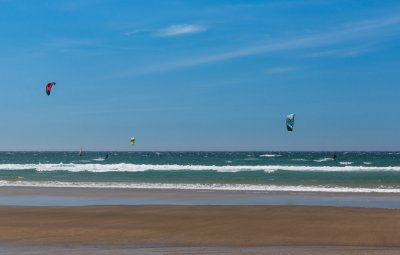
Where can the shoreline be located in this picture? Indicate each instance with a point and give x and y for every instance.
(49, 196)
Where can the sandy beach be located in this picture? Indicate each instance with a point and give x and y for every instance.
(201, 226)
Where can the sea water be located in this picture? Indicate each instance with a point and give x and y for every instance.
(237, 171)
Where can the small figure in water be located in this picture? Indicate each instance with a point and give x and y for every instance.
(106, 157)
(334, 156)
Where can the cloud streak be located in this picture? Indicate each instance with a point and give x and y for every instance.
(132, 32)
(343, 34)
(180, 30)
(337, 53)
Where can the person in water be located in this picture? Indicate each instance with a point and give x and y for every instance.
(334, 156)
(106, 157)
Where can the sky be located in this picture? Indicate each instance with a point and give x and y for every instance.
(199, 75)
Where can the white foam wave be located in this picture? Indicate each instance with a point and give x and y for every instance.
(299, 159)
(270, 155)
(125, 167)
(345, 163)
(323, 159)
(175, 186)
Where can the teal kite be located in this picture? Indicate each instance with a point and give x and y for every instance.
(290, 122)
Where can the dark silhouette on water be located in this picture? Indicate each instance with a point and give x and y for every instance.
(106, 157)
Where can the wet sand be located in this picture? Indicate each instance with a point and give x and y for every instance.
(67, 196)
(200, 226)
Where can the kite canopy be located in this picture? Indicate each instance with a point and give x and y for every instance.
(48, 87)
(132, 141)
(290, 122)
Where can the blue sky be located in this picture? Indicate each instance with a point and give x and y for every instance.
(200, 75)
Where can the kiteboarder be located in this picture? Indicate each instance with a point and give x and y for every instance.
(334, 156)
(106, 157)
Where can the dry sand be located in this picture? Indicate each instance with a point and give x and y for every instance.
(236, 226)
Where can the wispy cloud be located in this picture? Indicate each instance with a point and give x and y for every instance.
(281, 69)
(343, 34)
(338, 53)
(132, 32)
(180, 30)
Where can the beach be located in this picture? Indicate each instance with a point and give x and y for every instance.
(199, 203)
(201, 225)
(193, 229)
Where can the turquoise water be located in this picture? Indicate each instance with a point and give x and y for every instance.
(264, 171)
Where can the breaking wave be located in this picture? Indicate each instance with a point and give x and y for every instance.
(125, 167)
(176, 186)
(323, 159)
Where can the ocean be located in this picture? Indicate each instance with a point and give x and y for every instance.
(377, 172)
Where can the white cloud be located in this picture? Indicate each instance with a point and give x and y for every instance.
(341, 53)
(133, 32)
(361, 31)
(180, 30)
